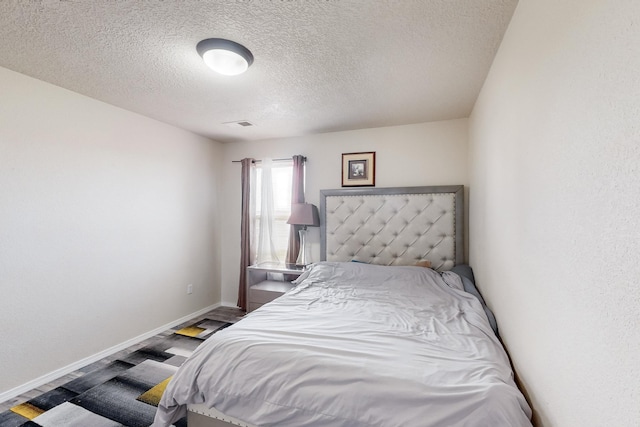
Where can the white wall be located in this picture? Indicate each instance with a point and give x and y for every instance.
(555, 206)
(105, 217)
(421, 154)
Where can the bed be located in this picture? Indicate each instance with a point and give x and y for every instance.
(368, 337)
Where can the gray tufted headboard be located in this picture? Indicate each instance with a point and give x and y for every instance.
(393, 226)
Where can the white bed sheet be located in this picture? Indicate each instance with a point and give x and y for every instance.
(356, 345)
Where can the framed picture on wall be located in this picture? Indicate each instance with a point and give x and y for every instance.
(359, 169)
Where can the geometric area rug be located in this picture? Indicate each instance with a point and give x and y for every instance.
(124, 392)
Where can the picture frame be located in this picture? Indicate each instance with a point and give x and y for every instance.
(359, 169)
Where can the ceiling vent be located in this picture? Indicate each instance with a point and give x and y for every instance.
(239, 124)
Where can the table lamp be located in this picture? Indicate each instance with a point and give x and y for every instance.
(304, 214)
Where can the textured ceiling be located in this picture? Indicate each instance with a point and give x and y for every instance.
(320, 65)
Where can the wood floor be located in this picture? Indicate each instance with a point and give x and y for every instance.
(229, 314)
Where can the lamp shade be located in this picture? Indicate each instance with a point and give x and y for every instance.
(304, 214)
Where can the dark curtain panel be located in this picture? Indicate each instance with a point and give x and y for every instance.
(297, 196)
(245, 232)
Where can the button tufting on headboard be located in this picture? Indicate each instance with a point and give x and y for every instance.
(397, 226)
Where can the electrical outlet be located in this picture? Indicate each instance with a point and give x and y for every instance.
(189, 288)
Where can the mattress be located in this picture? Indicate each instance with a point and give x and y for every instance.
(356, 345)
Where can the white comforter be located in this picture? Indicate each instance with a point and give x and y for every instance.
(356, 345)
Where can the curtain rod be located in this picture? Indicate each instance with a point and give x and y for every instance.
(275, 160)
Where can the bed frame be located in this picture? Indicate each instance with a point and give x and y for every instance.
(387, 226)
(393, 226)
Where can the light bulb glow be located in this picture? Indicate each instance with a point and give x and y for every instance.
(225, 62)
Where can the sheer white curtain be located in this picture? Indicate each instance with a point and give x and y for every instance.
(266, 250)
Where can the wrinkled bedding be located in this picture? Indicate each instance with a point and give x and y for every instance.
(356, 345)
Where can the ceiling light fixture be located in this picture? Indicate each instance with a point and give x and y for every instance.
(225, 56)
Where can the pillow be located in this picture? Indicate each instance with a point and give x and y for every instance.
(468, 281)
(423, 263)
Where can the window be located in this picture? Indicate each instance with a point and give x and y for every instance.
(281, 176)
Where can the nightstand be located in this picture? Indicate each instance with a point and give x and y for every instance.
(266, 283)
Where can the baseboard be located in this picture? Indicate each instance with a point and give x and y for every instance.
(51, 376)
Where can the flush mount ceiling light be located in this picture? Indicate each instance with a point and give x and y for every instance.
(225, 56)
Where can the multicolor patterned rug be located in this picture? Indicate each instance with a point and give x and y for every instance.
(125, 392)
